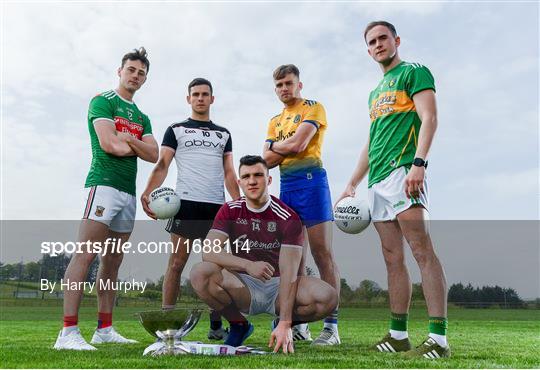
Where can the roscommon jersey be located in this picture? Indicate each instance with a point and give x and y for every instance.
(304, 169)
(107, 169)
(395, 124)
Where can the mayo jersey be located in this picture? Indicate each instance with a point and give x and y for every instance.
(199, 149)
(107, 169)
(303, 169)
(393, 135)
(259, 234)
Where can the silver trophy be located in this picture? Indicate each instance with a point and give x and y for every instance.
(169, 327)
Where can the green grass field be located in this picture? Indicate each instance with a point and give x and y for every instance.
(481, 338)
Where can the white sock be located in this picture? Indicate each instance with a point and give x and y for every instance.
(106, 330)
(398, 334)
(67, 330)
(440, 339)
(331, 326)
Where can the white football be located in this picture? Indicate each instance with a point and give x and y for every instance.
(352, 215)
(164, 202)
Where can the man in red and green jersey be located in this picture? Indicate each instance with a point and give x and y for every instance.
(119, 133)
(403, 123)
(107, 169)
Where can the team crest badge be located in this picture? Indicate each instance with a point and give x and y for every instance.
(99, 211)
(392, 83)
(271, 227)
(297, 118)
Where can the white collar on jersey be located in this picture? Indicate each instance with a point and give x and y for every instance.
(262, 209)
(120, 96)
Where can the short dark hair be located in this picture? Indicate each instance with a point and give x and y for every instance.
(251, 160)
(200, 81)
(386, 24)
(137, 54)
(284, 70)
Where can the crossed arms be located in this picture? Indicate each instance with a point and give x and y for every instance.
(122, 144)
(293, 145)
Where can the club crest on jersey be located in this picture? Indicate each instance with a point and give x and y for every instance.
(297, 118)
(271, 227)
(392, 83)
(99, 211)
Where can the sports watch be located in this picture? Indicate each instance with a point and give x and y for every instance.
(419, 162)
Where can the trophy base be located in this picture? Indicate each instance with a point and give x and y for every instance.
(199, 348)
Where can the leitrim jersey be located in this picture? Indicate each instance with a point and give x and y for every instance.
(303, 169)
(107, 169)
(393, 135)
(199, 149)
(259, 234)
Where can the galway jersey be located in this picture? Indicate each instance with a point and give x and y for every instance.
(107, 169)
(265, 231)
(199, 149)
(304, 169)
(393, 135)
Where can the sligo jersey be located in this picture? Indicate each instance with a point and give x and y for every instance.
(199, 149)
(393, 135)
(264, 230)
(107, 169)
(304, 169)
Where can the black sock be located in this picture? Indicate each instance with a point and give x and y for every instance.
(215, 320)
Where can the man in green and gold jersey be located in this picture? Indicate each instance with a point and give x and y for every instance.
(403, 122)
(119, 134)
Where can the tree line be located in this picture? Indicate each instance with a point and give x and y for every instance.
(368, 291)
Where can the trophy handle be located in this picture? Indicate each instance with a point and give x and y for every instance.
(189, 324)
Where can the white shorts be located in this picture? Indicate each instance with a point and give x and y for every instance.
(263, 295)
(111, 207)
(387, 198)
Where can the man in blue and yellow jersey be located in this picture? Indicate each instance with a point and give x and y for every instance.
(403, 122)
(294, 142)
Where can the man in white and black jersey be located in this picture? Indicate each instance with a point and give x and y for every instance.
(203, 154)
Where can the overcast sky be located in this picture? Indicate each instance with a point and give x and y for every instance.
(484, 56)
(56, 56)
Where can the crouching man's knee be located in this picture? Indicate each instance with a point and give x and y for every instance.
(325, 300)
(329, 300)
(201, 274)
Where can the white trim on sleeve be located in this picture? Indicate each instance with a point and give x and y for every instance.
(102, 119)
(220, 231)
(291, 246)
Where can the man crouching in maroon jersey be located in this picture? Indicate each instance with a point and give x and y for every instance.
(255, 247)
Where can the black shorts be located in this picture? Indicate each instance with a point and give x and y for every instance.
(193, 220)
